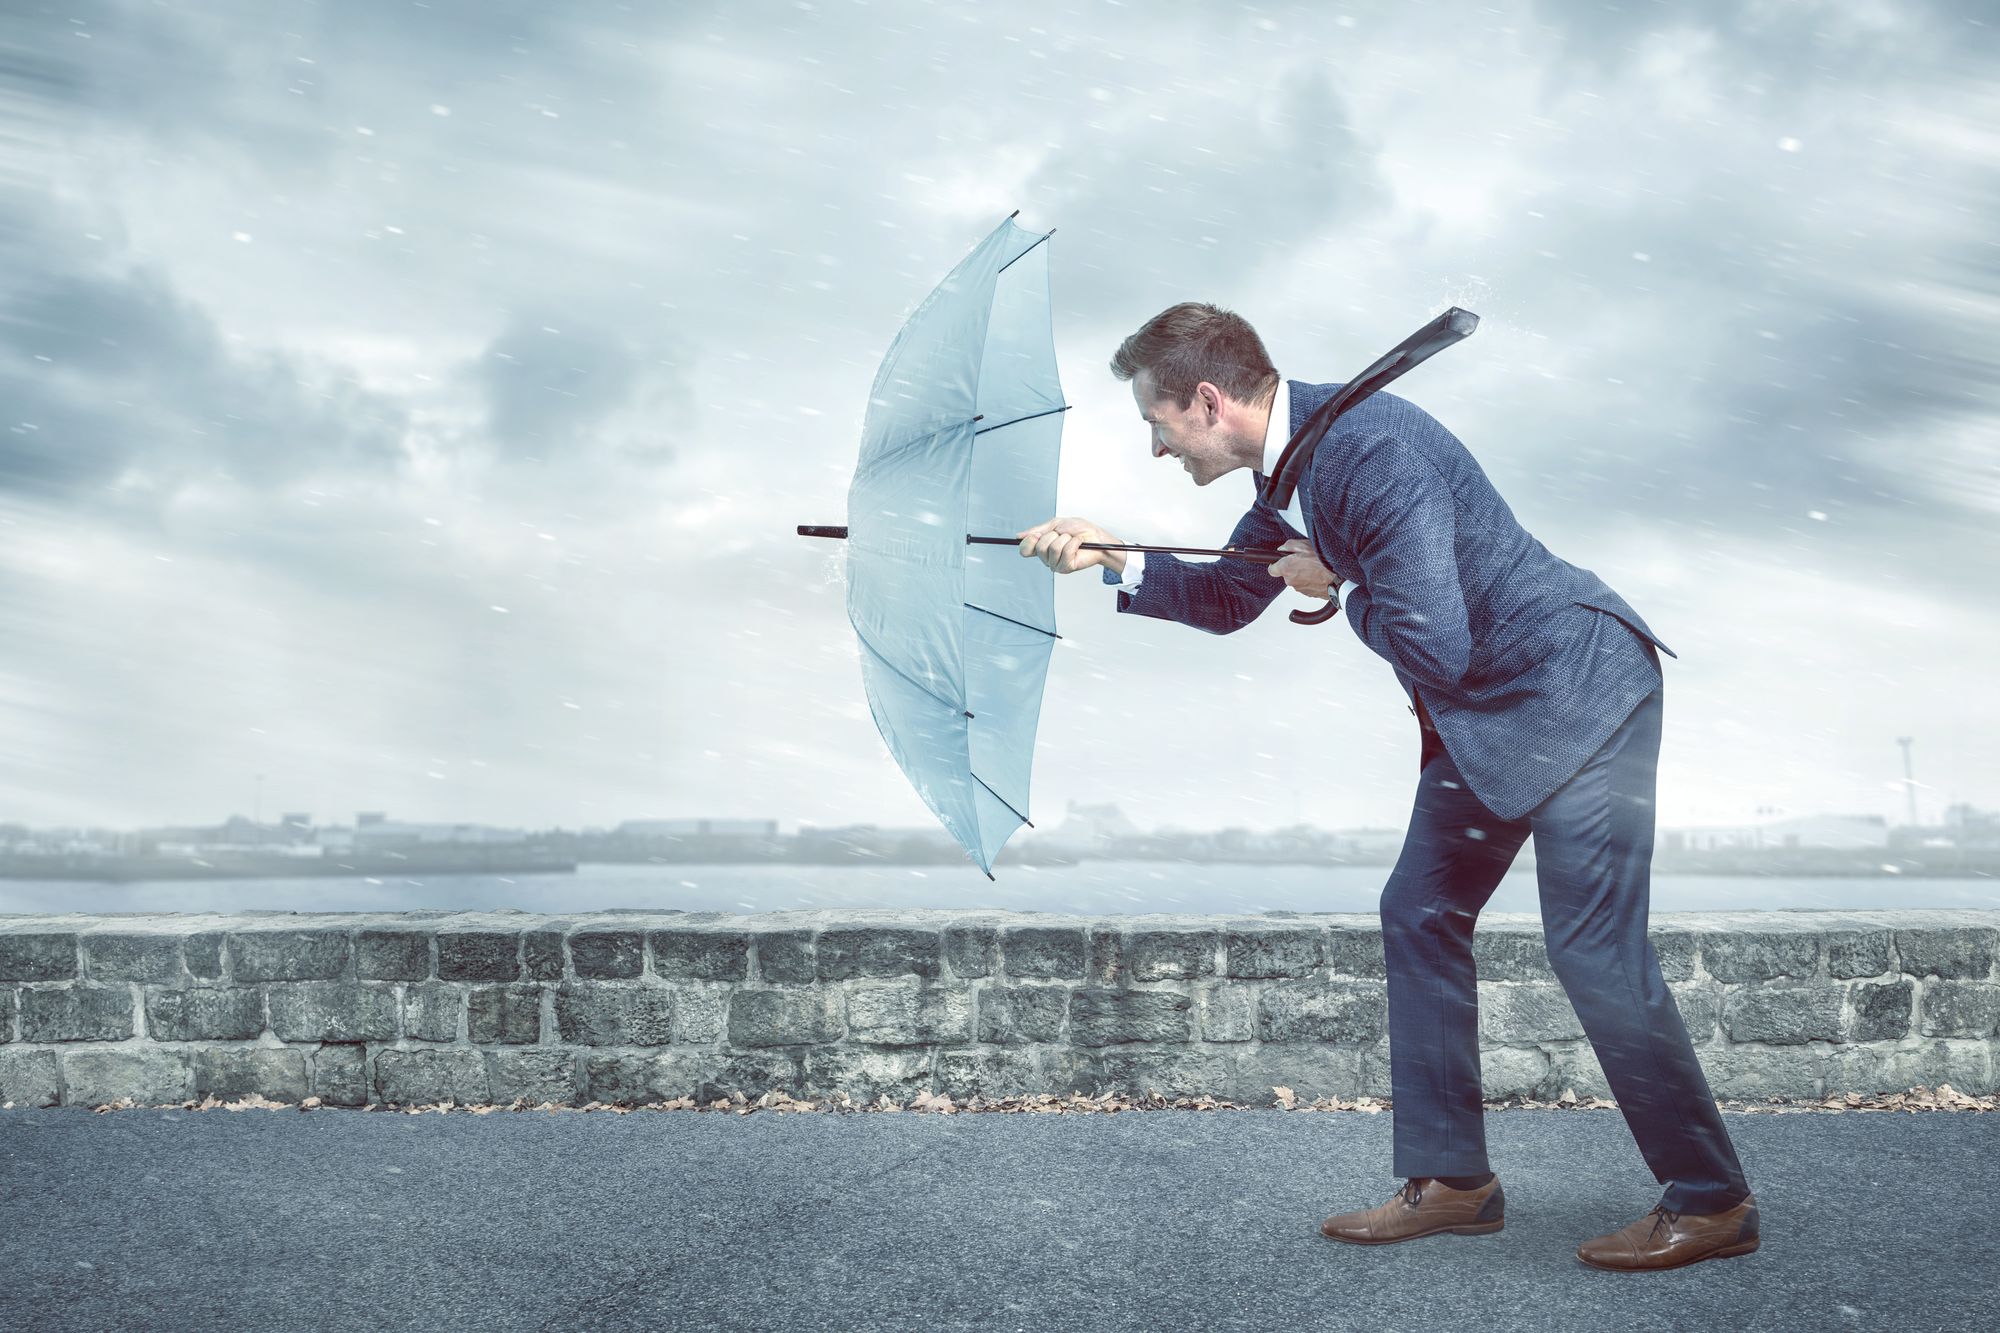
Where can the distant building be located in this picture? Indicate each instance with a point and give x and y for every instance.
(1835, 832)
(697, 828)
(374, 831)
(1090, 829)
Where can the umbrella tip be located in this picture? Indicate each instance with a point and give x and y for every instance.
(1011, 216)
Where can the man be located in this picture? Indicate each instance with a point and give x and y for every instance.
(1538, 697)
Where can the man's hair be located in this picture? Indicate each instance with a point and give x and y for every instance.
(1195, 341)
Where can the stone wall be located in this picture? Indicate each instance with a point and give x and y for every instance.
(627, 1007)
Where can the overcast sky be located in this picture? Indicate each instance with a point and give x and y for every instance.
(413, 404)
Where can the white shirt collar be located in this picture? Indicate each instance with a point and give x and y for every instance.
(1278, 431)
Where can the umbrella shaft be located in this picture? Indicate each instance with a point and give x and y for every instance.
(1261, 557)
(1240, 553)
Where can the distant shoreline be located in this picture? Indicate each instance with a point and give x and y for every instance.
(137, 870)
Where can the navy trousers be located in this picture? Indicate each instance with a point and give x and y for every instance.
(1593, 856)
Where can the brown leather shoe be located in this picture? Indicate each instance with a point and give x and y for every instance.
(1423, 1207)
(1666, 1239)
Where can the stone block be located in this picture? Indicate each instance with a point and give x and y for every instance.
(1103, 1017)
(431, 1011)
(865, 1074)
(696, 953)
(1017, 1015)
(1783, 1015)
(1524, 1013)
(1009, 1072)
(510, 1015)
(608, 955)
(1700, 1006)
(1346, 1011)
(1310, 1069)
(1510, 955)
(1106, 961)
(38, 956)
(288, 955)
(547, 1074)
(202, 954)
(1753, 1071)
(908, 1013)
(1676, 950)
(1514, 1071)
(1968, 1066)
(1178, 954)
(1575, 1066)
(1226, 1013)
(1138, 1071)
(28, 1078)
(1880, 1010)
(1278, 951)
(10, 1005)
(1760, 955)
(784, 1017)
(477, 955)
(333, 1011)
(610, 1014)
(972, 951)
(205, 1013)
(1948, 1009)
(1947, 951)
(1857, 953)
(1043, 951)
(339, 1074)
(81, 1012)
(785, 957)
(392, 955)
(637, 1080)
(700, 1013)
(846, 953)
(542, 955)
(422, 1077)
(1375, 1080)
(1355, 951)
(233, 1072)
(156, 1076)
(151, 958)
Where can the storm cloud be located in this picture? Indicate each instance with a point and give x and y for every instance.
(413, 403)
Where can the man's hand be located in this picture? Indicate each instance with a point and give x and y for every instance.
(1059, 542)
(1302, 570)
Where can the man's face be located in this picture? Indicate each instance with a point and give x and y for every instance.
(1189, 435)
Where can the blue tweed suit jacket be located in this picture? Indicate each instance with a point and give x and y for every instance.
(1525, 663)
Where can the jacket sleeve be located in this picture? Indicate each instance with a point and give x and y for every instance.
(1408, 606)
(1219, 596)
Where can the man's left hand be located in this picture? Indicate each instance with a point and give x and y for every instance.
(1303, 571)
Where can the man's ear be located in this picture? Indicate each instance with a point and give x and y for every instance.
(1211, 398)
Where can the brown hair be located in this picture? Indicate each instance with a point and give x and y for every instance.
(1195, 341)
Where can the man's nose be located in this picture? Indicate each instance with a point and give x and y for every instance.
(1159, 450)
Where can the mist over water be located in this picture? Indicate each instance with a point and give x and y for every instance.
(1096, 888)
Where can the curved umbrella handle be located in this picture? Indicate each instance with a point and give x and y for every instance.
(1321, 616)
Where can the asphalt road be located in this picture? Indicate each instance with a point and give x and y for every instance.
(253, 1220)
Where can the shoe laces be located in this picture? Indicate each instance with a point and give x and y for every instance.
(1413, 1191)
(1666, 1216)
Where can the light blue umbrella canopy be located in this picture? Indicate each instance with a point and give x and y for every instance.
(962, 436)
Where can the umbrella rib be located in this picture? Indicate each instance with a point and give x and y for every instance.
(1003, 800)
(1018, 420)
(880, 657)
(1018, 258)
(1010, 620)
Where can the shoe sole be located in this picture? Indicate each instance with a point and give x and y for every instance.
(1471, 1229)
(1726, 1252)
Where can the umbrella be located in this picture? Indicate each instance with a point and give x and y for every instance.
(962, 432)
